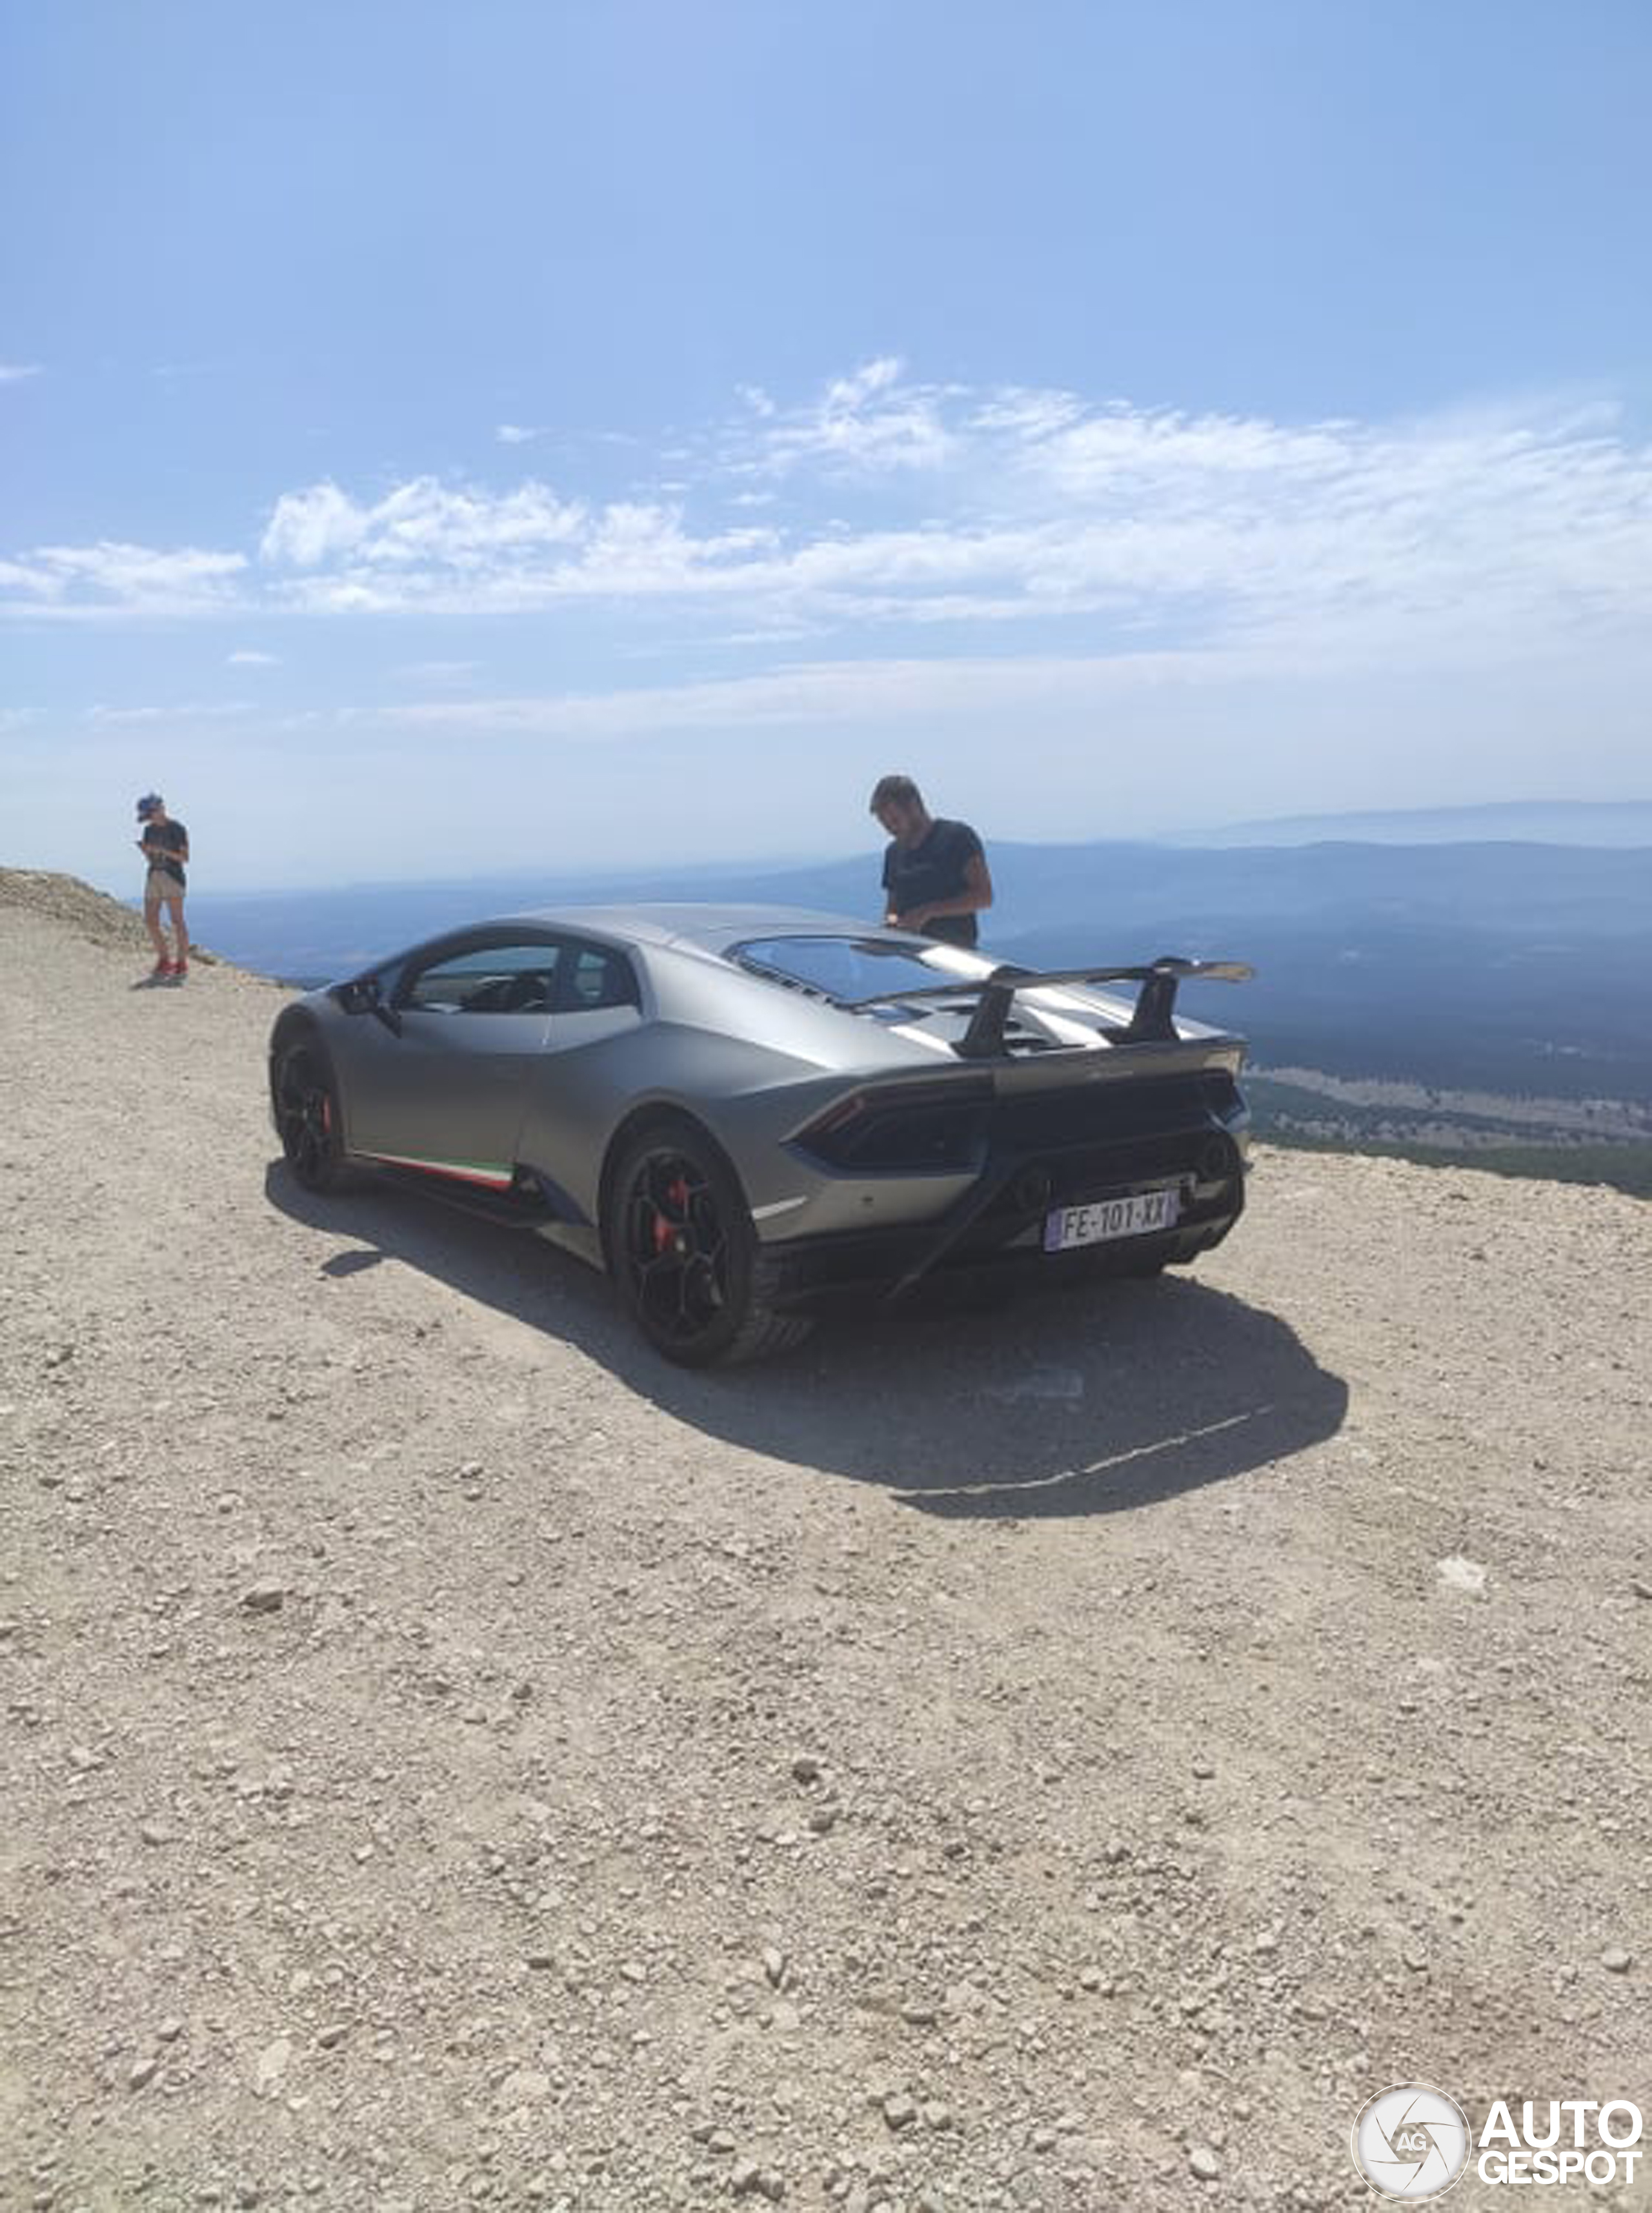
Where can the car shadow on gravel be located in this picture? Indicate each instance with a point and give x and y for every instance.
(1057, 1402)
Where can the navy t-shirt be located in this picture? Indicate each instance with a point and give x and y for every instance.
(915, 875)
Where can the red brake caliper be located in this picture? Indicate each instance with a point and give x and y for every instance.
(664, 1231)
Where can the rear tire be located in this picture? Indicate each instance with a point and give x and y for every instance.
(681, 1249)
(307, 1119)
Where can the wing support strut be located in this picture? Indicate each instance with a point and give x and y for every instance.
(1153, 1021)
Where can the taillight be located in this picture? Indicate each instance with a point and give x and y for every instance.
(910, 1127)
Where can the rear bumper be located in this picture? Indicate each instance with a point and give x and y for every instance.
(998, 1229)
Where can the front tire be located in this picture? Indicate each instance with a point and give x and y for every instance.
(307, 1119)
(681, 1249)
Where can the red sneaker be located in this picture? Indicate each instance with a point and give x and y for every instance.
(161, 971)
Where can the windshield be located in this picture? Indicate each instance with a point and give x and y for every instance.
(852, 968)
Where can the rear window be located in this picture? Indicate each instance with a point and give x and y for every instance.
(596, 978)
(852, 968)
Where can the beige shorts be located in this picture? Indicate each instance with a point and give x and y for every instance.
(160, 888)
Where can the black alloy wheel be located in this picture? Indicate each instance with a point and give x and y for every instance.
(683, 1251)
(307, 1119)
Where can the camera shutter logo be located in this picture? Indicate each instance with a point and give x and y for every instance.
(1412, 2141)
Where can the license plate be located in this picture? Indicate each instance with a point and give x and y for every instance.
(1105, 1219)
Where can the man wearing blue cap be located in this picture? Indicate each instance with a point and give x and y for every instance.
(165, 846)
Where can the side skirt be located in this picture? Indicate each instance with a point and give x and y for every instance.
(515, 1205)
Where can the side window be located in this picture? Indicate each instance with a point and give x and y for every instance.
(595, 976)
(492, 980)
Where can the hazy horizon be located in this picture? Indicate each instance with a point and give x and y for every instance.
(1617, 825)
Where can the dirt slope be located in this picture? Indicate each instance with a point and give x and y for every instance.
(1061, 1760)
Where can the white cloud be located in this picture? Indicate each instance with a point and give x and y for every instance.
(126, 578)
(195, 710)
(29, 581)
(248, 658)
(514, 434)
(436, 674)
(811, 694)
(845, 394)
(18, 372)
(424, 524)
(864, 427)
(1514, 531)
(308, 528)
(445, 552)
(126, 718)
(1025, 415)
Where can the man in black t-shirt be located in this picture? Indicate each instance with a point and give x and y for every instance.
(935, 878)
(165, 846)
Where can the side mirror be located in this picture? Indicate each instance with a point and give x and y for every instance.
(363, 996)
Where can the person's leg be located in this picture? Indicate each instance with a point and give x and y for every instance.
(157, 936)
(175, 906)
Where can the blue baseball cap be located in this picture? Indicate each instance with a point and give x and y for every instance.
(147, 805)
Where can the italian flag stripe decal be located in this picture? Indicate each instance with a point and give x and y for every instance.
(486, 1172)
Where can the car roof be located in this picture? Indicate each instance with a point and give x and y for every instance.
(713, 926)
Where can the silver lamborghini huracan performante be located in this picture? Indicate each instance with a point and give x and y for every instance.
(744, 1113)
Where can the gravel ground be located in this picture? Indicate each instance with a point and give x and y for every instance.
(1062, 1759)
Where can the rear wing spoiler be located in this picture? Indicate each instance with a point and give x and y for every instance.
(1152, 1023)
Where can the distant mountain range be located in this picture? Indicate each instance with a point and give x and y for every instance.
(1543, 822)
(1489, 964)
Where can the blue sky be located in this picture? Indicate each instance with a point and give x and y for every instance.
(434, 440)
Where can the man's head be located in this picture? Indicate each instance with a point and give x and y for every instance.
(899, 805)
(151, 807)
